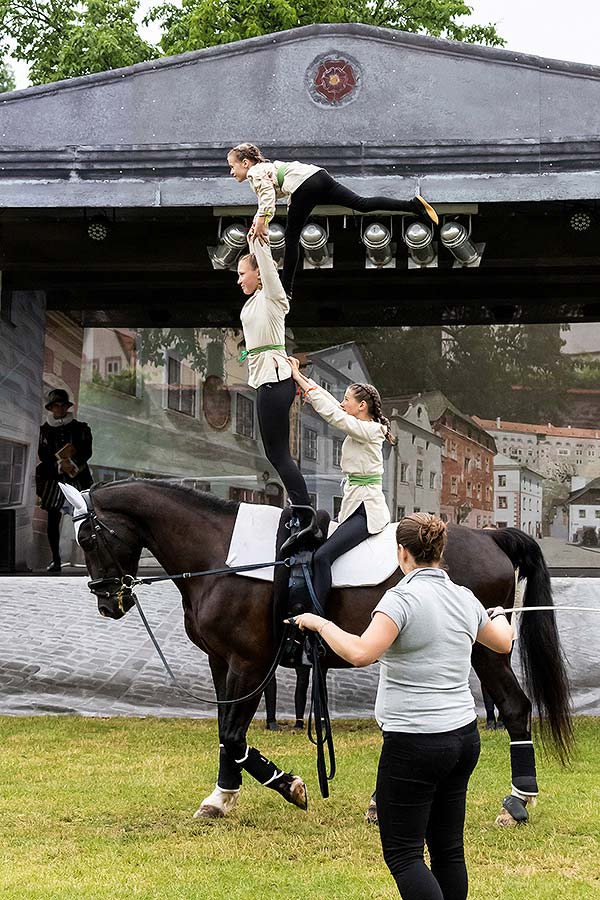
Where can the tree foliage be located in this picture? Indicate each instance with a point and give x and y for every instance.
(516, 372)
(65, 38)
(7, 77)
(203, 23)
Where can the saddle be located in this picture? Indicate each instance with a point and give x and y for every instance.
(291, 596)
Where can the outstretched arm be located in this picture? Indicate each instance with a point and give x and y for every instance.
(271, 283)
(360, 650)
(329, 408)
(264, 188)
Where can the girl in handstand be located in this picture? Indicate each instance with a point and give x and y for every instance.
(364, 510)
(305, 186)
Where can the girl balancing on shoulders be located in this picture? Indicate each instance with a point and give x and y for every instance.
(263, 323)
(422, 631)
(364, 510)
(305, 186)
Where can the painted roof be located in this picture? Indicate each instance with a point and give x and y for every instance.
(548, 430)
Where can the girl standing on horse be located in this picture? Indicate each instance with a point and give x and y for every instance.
(422, 632)
(305, 187)
(263, 323)
(364, 510)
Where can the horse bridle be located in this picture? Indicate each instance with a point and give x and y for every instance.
(99, 586)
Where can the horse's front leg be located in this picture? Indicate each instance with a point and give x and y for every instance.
(235, 754)
(495, 673)
(224, 797)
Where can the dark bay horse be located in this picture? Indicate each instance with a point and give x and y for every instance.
(230, 618)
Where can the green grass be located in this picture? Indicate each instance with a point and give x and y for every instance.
(102, 809)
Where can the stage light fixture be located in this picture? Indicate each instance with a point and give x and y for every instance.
(277, 241)
(232, 241)
(377, 239)
(580, 220)
(318, 253)
(457, 239)
(422, 249)
(98, 228)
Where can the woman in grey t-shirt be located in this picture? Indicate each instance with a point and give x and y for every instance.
(422, 632)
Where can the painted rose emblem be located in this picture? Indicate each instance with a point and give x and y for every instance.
(333, 80)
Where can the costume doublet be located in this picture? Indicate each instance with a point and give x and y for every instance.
(54, 434)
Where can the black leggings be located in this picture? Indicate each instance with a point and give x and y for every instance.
(421, 796)
(319, 189)
(53, 532)
(349, 534)
(273, 406)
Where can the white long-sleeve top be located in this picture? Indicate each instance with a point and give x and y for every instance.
(263, 322)
(263, 181)
(362, 454)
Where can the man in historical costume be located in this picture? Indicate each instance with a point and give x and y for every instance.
(64, 450)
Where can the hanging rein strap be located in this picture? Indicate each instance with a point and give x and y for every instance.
(256, 692)
(318, 718)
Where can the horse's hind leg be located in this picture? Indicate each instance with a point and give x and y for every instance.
(498, 678)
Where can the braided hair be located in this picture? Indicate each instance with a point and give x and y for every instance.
(371, 396)
(423, 535)
(247, 151)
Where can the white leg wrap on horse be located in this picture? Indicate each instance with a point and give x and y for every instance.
(222, 800)
(218, 804)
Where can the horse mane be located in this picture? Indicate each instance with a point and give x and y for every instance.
(185, 494)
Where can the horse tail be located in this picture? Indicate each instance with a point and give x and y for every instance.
(542, 658)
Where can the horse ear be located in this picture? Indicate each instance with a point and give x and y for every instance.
(77, 501)
(75, 498)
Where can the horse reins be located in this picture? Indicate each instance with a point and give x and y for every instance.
(127, 582)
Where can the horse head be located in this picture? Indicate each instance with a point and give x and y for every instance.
(112, 546)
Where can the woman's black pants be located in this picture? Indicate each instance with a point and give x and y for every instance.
(273, 403)
(352, 532)
(321, 189)
(421, 796)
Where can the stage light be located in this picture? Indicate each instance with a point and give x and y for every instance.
(231, 242)
(422, 249)
(380, 250)
(457, 239)
(580, 220)
(277, 241)
(98, 228)
(318, 254)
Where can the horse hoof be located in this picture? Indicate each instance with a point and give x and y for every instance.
(294, 790)
(505, 820)
(516, 807)
(209, 812)
(513, 812)
(371, 814)
(298, 794)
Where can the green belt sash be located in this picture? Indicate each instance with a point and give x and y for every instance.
(354, 480)
(281, 175)
(256, 350)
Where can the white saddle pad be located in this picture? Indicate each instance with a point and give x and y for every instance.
(253, 541)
